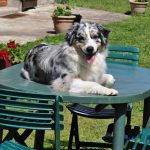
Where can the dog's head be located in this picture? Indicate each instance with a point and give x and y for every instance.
(88, 38)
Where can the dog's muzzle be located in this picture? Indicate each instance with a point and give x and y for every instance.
(90, 49)
(90, 54)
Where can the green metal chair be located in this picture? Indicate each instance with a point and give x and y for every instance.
(117, 54)
(137, 140)
(11, 145)
(30, 111)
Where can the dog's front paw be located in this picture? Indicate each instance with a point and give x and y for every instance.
(111, 92)
(108, 80)
(100, 90)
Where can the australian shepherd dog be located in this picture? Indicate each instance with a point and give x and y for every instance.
(77, 65)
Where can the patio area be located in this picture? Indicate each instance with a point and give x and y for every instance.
(37, 23)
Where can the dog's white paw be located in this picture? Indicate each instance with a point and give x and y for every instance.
(108, 80)
(111, 92)
(107, 91)
(79, 86)
(100, 90)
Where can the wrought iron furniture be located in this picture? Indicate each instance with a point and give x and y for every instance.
(30, 111)
(117, 54)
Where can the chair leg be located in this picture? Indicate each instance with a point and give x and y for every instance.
(71, 136)
(129, 117)
(74, 133)
(39, 139)
(1, 135)
(109, 132)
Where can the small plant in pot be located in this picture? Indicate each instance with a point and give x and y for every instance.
(63, 18)
(138, 6)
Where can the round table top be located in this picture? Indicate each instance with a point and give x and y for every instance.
(133, 84)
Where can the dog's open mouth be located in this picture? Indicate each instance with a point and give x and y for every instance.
(90, 58)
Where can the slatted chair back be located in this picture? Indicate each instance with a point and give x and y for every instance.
(123, 55)
(31, 111)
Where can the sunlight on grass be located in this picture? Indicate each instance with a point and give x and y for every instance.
(108, 5)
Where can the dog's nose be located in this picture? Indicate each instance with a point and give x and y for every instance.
(90, 49)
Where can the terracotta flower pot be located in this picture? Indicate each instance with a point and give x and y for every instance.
(137, 7)
(63, 23)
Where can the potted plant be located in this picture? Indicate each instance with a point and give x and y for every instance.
(138, 6)
(63, 18)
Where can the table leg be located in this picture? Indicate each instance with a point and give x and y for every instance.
(119, 126)
(146, 114)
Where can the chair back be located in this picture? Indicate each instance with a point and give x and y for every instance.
(35, 111)
(123, 55)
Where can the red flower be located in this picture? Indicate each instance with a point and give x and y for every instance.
(4, 55)
(11, 45)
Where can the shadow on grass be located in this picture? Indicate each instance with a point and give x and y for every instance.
(51, 32)
(128, 13)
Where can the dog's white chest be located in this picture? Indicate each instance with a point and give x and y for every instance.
(93, 72)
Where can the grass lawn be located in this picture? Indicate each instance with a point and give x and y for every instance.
(134, 31)
(108, 5)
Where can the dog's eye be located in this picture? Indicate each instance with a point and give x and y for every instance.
(81, 38)
(95, 37)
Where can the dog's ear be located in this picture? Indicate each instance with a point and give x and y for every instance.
(71, 34)
(104, 33)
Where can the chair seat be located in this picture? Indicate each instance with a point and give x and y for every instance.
(90, 112)
(11, 145)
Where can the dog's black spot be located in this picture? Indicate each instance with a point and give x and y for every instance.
(62, 57)
(65, 65)
(36, 74)
(26, 66)
(63, 75)
(30, 55)
(61, 62)
(52, 63)
(34, 59)
(55, 69)
(40, 45)
(56, 73)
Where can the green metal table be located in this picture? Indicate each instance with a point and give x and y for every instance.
(133, 84)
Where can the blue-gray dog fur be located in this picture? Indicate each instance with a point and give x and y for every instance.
(76, 65)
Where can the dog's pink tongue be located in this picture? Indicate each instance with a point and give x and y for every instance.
(90, 59)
